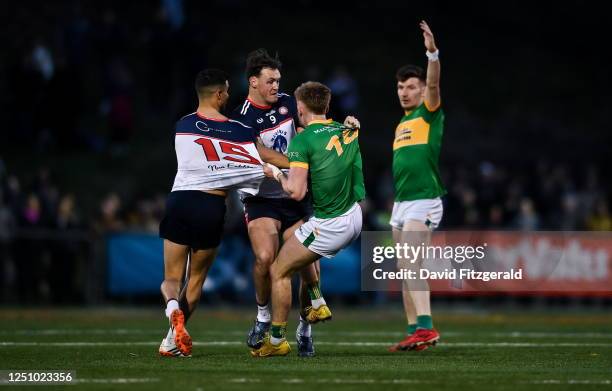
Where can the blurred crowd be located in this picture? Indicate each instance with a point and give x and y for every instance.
(47, 237)
(69, 79)
(86, 78)
(495, 197)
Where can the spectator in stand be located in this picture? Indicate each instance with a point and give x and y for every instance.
(527, 219)
(109, 216)
(7, 232)
(600, 219)
(30, 251)
(64, 251)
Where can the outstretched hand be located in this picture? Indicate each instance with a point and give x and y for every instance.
(430, 43)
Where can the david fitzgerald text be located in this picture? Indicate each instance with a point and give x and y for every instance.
(447, 274)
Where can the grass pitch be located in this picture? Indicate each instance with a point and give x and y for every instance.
(117, 349)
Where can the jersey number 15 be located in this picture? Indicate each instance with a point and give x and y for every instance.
(233, 152)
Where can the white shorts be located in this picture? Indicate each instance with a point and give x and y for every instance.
(427, 211)
(328, 236)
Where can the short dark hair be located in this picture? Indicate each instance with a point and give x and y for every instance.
(209, 80)
(315, 96)
(260, 59)
(408, 71)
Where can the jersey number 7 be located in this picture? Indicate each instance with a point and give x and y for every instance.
(233, 152)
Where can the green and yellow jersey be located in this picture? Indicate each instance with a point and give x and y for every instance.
(331, 153)
(416, 151)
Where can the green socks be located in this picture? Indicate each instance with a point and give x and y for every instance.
(278, 330)
(424, 322)
(314, 291)
(411, 329)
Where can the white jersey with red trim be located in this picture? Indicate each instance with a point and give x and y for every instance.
(216, 155)
(276, 126)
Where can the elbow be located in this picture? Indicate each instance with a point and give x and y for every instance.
(297, 196)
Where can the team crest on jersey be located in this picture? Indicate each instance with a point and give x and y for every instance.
(283, 110)
(279, 142)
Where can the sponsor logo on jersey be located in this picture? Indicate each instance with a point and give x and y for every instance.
(411, 132)
(283, 110)
(325, 129)
(270, 112)
(260, 120)
(203, 126)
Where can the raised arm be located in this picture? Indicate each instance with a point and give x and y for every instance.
(432, 90)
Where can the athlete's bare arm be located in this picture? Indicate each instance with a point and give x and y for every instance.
(432, 90)
(271, 156)
(295, 184)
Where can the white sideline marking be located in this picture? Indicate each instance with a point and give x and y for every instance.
(243, 380)
(80, 332)
(124, 331)
(331, 343)
(571, 381)
(480, 344)
(371, 381)
(335, 381)
(535, 334)
(119, 380)
(86, 344)
(292, 381)
(409, 381)
(510, 334)
(527, 344)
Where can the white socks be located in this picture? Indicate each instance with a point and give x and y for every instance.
(304, 328)
(263, 313)
(316, 303)
(171, 306)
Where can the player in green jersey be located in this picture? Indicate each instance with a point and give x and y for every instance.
(418, 209)
(329, 152)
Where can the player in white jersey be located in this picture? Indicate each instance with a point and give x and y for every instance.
(214, 154)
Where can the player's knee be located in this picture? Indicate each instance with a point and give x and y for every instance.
(278, 272)
(169, 283)
(274, 271)
(264, 259)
